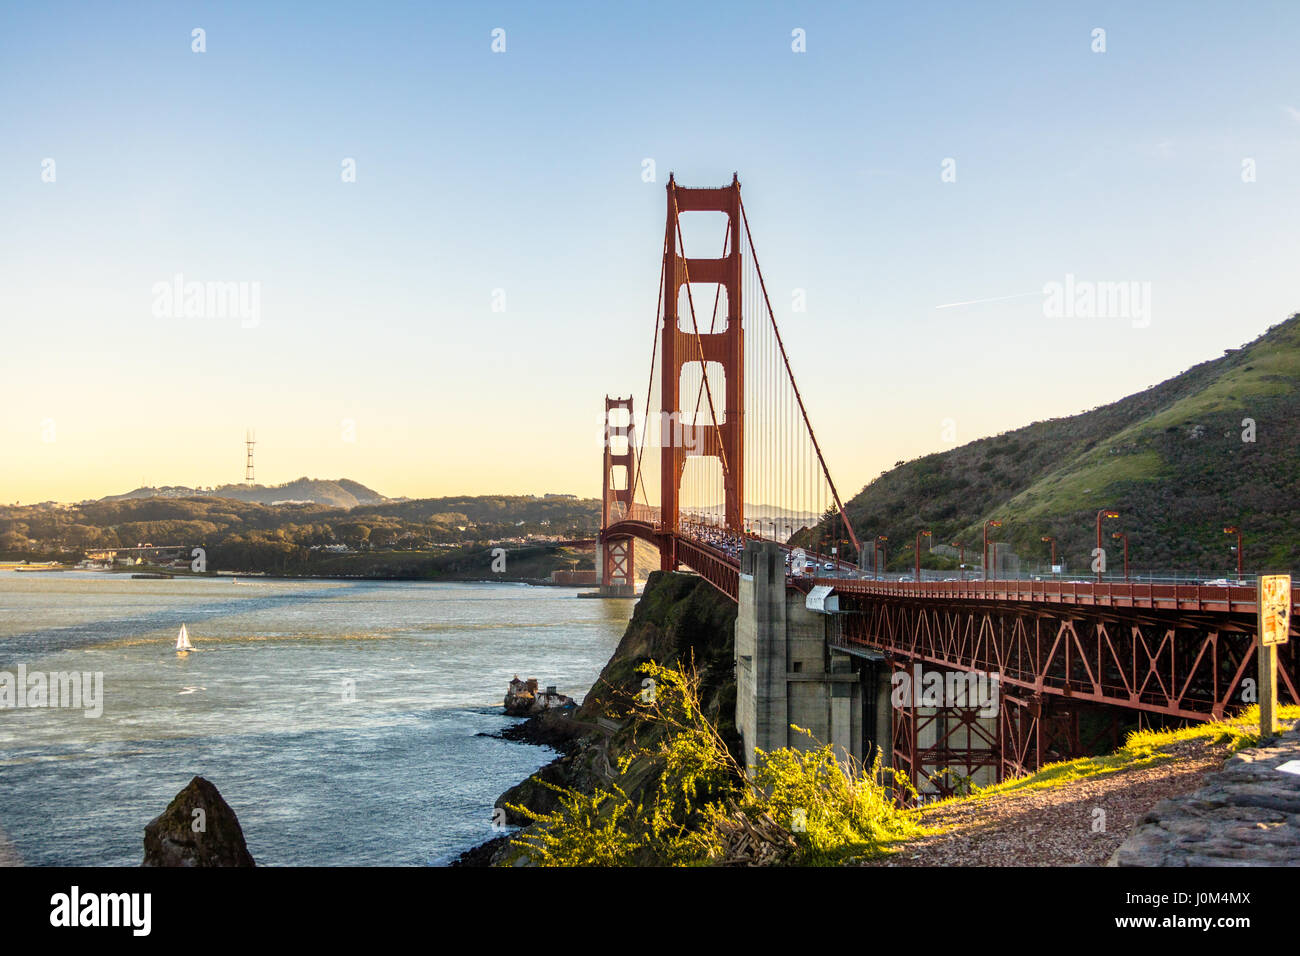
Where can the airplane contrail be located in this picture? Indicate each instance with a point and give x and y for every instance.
(1000, 298)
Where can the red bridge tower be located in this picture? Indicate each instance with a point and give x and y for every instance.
(617, 556)
(720, 439)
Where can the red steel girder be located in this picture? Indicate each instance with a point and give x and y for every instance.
(1170, 666)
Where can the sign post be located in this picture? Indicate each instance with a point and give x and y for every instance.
(1273, 599)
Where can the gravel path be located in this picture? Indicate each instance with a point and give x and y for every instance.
(1057, 826)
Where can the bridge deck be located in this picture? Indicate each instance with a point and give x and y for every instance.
(1201, 598)
(721, 566)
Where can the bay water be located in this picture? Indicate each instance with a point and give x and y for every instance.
(346, 723)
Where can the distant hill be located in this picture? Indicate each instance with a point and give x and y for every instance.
(342, 493)
(783, 520)
(1171, 459)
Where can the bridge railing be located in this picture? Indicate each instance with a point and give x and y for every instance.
(1228, 598)
(1082, 577)
(649, 514)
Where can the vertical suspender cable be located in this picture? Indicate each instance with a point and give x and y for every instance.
(794, 386)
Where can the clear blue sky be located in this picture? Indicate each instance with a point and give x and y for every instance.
(521, 171)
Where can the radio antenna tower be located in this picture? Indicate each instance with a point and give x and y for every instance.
(248, 465)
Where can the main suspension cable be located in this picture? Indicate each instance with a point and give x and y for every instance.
(790, 373)
(649, 389)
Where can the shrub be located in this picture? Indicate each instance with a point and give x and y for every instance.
(828, 812)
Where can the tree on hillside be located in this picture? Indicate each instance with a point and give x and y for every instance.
(13, 541)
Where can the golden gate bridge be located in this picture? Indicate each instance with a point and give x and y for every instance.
(740, 463)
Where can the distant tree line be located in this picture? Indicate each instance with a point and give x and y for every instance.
(281, 538)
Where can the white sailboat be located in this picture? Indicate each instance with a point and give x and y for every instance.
(183, 640)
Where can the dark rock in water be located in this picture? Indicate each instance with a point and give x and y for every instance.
(198, 828)
(483, 854)
(552, 728)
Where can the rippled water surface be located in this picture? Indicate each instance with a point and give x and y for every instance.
(396, 775)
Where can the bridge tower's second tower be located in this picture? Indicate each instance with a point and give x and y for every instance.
(679, 345)
(616, 556)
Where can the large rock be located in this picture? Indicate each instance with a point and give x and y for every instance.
(1248, 814)
(198, 828)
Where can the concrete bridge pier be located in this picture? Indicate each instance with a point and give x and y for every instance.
(788, 673)
(793, 669)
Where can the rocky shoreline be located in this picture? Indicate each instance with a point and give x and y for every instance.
(679, 618)
(551, 729)
(1246, 814)
(560, 732)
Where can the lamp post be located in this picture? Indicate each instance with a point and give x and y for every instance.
(988, 524)
(919, 536)
(961, 560)
(1103, 513)
(1049, 538)
(882, 551)
(1233, 529)
(1117, 535)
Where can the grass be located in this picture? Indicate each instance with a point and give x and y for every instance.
(1083, 483)
(1273, 368)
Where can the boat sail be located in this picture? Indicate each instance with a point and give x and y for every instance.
(183, 640)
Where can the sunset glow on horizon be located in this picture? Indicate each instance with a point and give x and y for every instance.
(407, 259)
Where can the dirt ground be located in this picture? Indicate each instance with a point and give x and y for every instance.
(1057, 826)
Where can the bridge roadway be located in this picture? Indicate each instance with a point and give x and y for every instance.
(1182, 650)
(1206, 598)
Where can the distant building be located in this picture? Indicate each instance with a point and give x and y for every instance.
(524, 698)
(587, 577)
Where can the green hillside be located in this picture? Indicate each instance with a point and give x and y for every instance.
(1171, 459)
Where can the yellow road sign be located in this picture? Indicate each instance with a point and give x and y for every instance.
(1274, 602)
